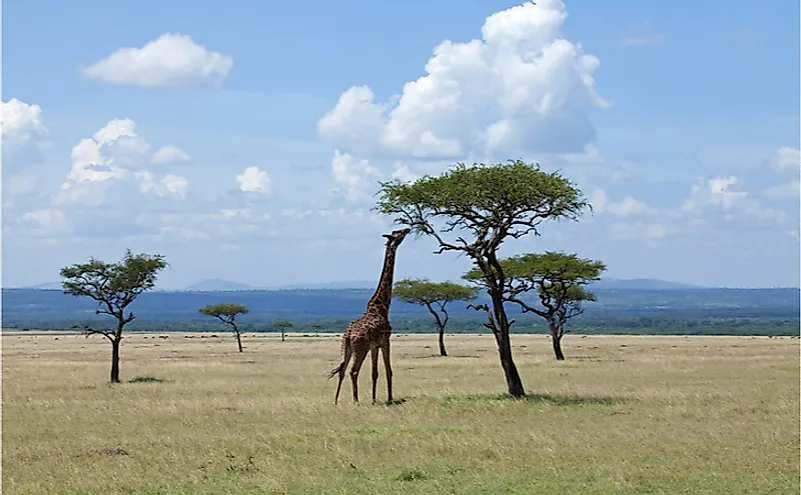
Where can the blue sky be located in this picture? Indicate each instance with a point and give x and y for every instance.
(678, 120)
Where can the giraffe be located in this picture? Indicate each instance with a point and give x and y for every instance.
(371, 331)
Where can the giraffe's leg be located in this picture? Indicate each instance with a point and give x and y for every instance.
(374, 358)
(348, 353)
(385, 354)
(358, 359)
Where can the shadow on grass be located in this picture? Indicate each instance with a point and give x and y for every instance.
(428, 356)
(146, 379)
(554, 399)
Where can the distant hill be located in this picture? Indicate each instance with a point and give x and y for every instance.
(641, 284)
(217, 285)
(45, 286)
(364, 284)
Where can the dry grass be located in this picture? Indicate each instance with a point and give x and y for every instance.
(621, 415)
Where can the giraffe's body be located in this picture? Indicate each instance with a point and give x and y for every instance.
(371, 331)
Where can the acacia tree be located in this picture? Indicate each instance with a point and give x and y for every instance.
(114, 286)
(227, 313)
(429, 294)
(558, 279)
(283, 325)
(473, 209)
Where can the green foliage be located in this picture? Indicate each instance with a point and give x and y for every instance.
(113, 285)
(283, 324)
(228, 310)
(557, 278)
(492, 202)
(424, 292)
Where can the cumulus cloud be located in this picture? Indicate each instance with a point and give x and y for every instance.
(169, 184)
(522, 87)
(24, 135)
(728, 195)
(46, 221)
(790, 189)
(626, 207)
(21, 121)
(171, 60)
(254, 180)
(352, 176)
(403, 174)
(114, 157)
(785, 161)
(169, 155)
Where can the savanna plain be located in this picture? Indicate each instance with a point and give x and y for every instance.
(192, 415)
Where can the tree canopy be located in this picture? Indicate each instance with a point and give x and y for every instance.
(227, 313)
(423, 292)
(114, 286)
(224, 311)
(474, 209)
(283, 325)
(558, 280)
(491, 202)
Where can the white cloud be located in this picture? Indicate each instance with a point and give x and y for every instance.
(171, 60)
(114, 157)
(718, 192)
(254, 180)
(645, 39)
(353, 176)
(169, 184)
(655, 231)
(46, 221)
(728, 196)
(598, 199)
(785, 160)
(403, 174)
(24, 135)
(21, 121)
(170, 154)
(786, 190)
(627, 207)
(523, 87)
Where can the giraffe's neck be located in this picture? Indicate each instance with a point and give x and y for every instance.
(383, 293)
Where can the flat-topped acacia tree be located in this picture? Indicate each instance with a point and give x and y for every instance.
(557, 279)
(114, 286)
(227, 313)
(430, 294)
(474, 209)
(283, 325)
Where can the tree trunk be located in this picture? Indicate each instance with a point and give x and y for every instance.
(115, 360)
(556, 340)
(513, 382)
(442, 351)
(557, 347)
(282, 335)
(238, 341)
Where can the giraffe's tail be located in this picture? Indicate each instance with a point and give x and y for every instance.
(344, 356)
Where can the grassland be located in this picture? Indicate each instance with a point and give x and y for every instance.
(620, 415)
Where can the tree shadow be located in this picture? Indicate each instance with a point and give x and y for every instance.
(146, 379)
(397, 401)
(553, 399)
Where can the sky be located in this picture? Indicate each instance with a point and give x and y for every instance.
(245, 140)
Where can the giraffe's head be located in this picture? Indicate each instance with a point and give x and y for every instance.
(396, 237)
